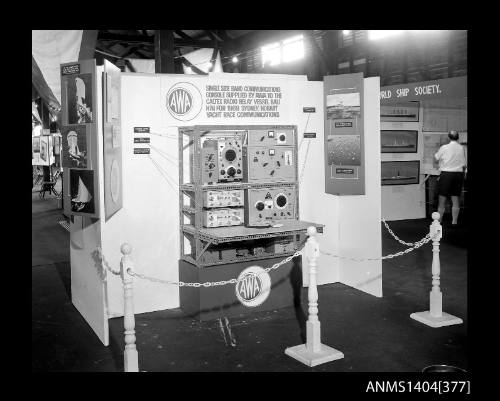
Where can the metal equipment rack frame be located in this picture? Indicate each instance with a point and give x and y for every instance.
(203, 237)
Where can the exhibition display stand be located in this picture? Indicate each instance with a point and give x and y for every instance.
(415, 120)
(134, 160)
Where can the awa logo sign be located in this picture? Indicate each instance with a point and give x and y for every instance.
(253, 287)
(184, 101)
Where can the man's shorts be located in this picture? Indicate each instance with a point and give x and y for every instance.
(450, 183)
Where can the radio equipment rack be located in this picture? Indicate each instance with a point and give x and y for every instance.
(201, 238)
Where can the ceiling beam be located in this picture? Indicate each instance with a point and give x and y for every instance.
(41, 86)
(149, 40)
(130, 50)
(164, 51)
(88, 44)
(182, 34)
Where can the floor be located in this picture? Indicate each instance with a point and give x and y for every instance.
(375, 334)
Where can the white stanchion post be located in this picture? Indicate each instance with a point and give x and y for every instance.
(313, 353)
(130, 356)
(435, 317)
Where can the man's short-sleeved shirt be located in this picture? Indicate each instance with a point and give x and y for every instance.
(451, 157)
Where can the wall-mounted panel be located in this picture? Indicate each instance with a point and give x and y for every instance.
(344, 138)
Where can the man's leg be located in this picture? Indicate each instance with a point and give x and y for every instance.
(442, 201)
(455, 209)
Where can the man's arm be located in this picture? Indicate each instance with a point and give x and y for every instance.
(437, 156)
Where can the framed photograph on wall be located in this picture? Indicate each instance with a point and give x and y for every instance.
(36, 144)
(43, 151)
(74, 144)
(401, 111)
(400, 172)
(399, 141)
(343, 106)
(82, 191)
(344, 150)
(79, 99)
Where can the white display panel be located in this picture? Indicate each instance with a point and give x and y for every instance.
(401, 202)
(359, 216)
(149, 218)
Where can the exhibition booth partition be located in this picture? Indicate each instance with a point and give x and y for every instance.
(280, 154)
(415, 119)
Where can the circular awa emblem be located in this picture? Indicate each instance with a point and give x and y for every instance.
(184, 101)
(253, 290)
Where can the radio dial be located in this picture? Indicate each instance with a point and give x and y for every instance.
(230, 155)
(281, 201)
(259, 205)
(231, 171)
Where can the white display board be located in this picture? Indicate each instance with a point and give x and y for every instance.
(359, 216)
(149, 218)
(400, 202)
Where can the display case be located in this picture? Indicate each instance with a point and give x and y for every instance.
(239, 194)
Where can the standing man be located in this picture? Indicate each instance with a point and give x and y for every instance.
(452, 166)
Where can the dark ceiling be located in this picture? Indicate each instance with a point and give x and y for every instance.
(141, 43)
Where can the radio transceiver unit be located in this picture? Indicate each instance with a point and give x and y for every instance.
(221, 157)
(223, 198)
(209, 162)
(230, 159)
(268, 205)
(223, 217)
(269, 164)
(279, 136)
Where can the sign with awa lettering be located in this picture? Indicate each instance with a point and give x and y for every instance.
(253, 286)
(184, 101)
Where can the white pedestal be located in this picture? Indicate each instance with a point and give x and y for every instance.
(131, 361)
(444, 320)
(309, 358)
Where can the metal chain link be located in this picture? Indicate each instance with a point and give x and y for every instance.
(417, 245)
(213, 283)
(400, 240)
(105, 263)
(414, 245)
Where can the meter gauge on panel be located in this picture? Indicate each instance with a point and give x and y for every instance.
(281, 201)
(281, 138)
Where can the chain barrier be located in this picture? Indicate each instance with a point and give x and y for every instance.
(416, 245)
(400, 240)
(413, 246)
(206, 284)
(105, 263)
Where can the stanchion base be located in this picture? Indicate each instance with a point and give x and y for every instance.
(131, 361)
(309, 358)
(444, 320)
